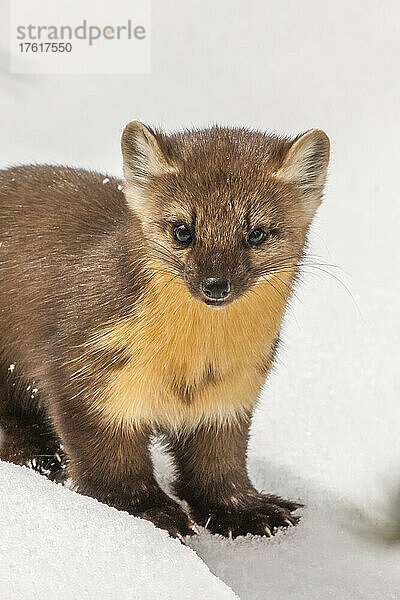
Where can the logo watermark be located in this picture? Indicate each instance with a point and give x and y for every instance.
(78, 36)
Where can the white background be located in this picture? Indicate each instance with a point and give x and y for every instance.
(328, 426)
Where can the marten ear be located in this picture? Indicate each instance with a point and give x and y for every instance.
(143, 159)
(305, 165)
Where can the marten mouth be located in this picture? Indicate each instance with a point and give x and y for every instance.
(215, 303)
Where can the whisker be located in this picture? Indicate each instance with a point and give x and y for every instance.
(288, 263)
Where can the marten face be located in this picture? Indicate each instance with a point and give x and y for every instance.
(223, 209)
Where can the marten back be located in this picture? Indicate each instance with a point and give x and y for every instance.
(62, 251)
(60, 203)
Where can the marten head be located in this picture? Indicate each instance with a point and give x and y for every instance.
(224, 209)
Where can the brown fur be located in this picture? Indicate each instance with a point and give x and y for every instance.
(103, 308)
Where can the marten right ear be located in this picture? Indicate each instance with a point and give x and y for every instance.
(143, 159)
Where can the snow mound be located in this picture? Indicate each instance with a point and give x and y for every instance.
(55, 543)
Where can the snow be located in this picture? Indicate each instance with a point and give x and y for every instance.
(333, 554)
(57, 544)
(327, 428)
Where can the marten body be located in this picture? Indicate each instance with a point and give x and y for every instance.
(109, 301)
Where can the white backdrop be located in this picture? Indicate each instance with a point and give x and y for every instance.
(328, 426)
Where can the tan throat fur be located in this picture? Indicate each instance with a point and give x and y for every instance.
(186, 363)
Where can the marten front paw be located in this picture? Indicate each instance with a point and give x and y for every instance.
(259, 514)
(169, 516)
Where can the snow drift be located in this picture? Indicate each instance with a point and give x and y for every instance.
(55, 543)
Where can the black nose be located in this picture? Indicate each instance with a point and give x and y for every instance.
(216, 288)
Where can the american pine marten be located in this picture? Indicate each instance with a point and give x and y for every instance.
(154, 307)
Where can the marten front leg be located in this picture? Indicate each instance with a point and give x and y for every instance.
(213, 480)
(113, 464)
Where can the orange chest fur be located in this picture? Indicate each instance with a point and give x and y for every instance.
(186, 363)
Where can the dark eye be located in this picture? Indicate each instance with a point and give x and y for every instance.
(183, 235)
(256, 237)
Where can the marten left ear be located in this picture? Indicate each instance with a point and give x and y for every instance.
(143, 160)
(305, 165)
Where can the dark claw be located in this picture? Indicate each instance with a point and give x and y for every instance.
(172, 518)
(263, 515)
